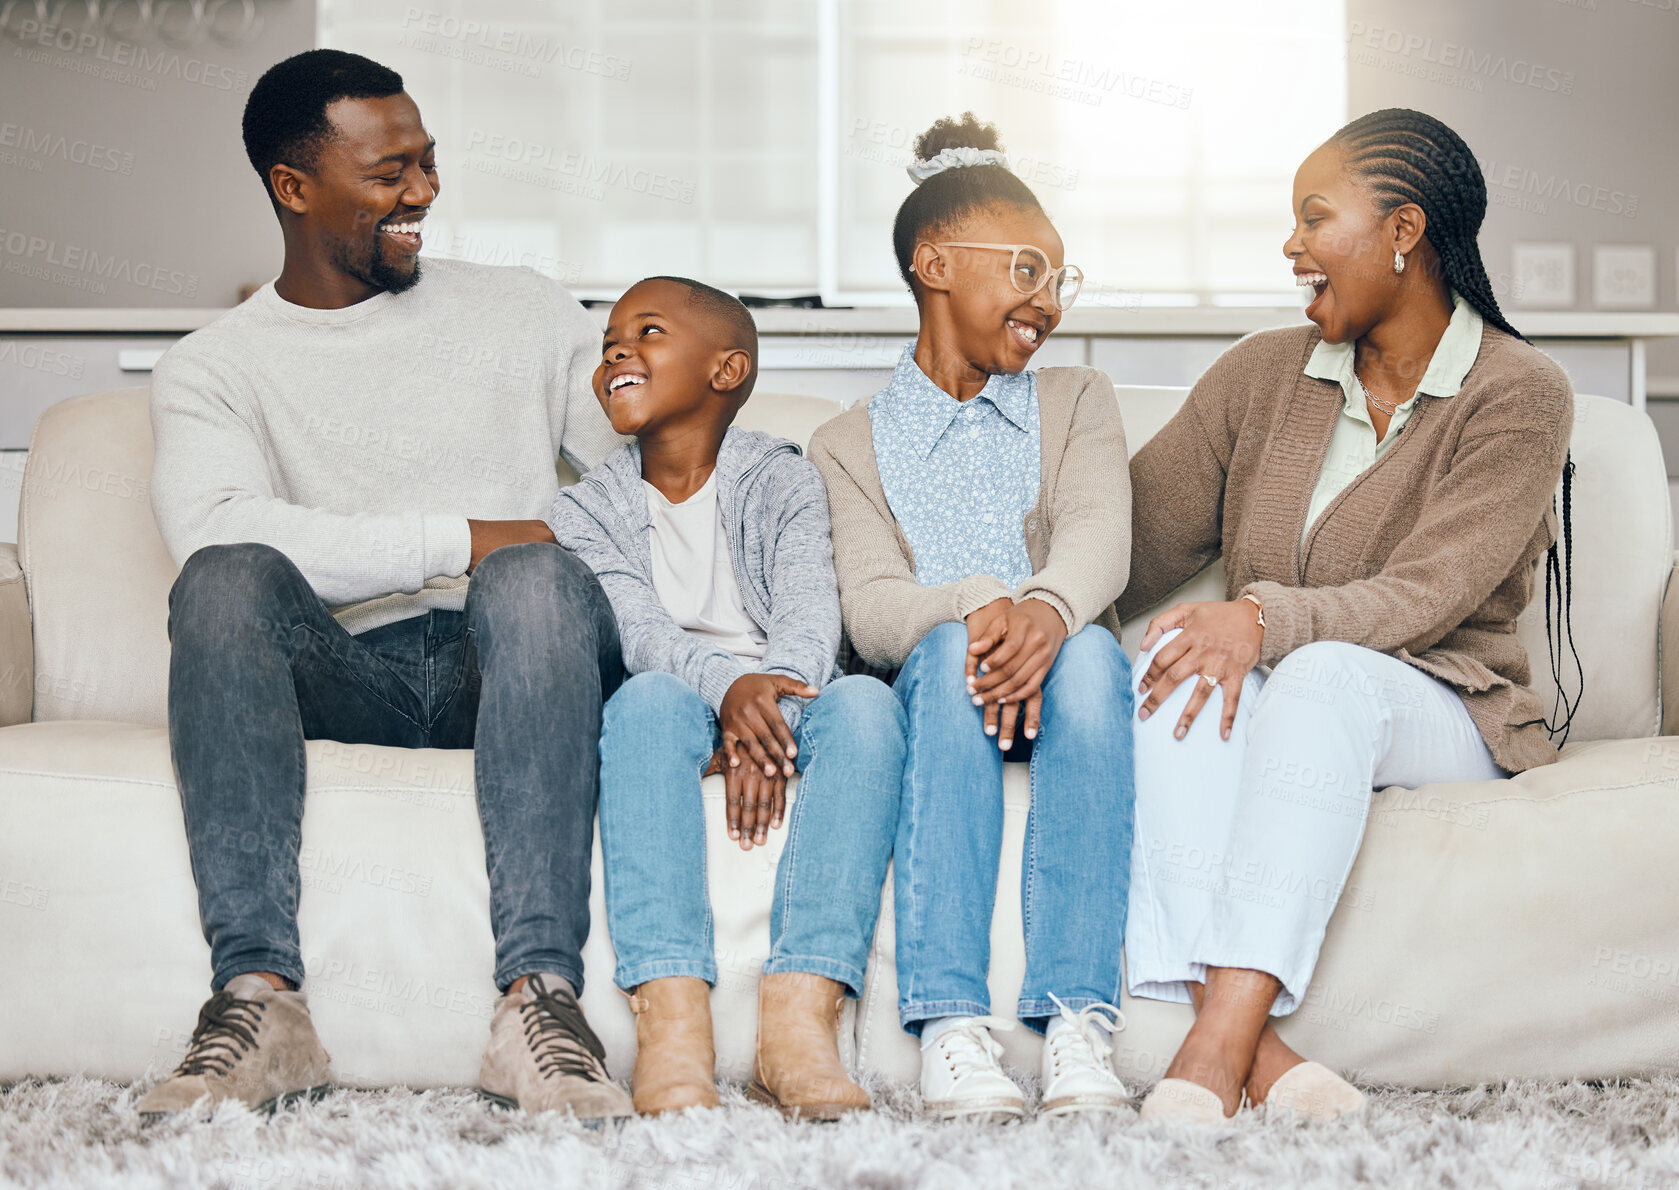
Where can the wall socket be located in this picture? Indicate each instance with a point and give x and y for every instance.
(1624, 276)
(1544, 275)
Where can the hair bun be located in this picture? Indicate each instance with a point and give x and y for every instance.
(959, 170)
(965, 133)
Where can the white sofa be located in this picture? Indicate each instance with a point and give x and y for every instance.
(1521, 928)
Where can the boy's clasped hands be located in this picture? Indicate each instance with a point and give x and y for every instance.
(755, 793)
(1011, 647)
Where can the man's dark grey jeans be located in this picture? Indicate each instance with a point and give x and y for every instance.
(259, 664)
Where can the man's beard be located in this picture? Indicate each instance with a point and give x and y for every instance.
(369, 266)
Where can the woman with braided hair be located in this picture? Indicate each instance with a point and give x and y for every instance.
(1379, 485)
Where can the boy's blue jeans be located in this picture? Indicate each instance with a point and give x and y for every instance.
(1076, 867)
(656, 739)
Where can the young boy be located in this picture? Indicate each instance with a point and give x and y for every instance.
(712, 544)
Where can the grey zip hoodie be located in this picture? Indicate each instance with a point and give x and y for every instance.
(775, 519)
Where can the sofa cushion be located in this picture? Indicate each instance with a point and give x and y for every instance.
(1623, 554)
(394, 915)
(97, 571)
(1491, 930)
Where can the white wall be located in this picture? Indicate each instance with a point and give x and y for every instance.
(1572, 108)
(122, 168)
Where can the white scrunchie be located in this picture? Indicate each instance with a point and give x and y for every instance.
(923, 168)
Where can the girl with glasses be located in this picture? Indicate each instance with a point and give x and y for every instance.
(981, 515)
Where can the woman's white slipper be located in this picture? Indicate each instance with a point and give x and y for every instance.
(1313, 1092)
(1178, 1100)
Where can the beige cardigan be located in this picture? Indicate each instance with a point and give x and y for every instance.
(1429, 555)
(1078, 536)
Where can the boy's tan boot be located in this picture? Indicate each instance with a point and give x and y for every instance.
(543, 1056)
(253, 1043)
(675, 1058)
(798, 1068)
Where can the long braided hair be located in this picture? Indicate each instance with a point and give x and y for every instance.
(1407, 156)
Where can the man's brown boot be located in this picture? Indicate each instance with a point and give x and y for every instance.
(675, 1058)
(252, 1043)
(798, 1068)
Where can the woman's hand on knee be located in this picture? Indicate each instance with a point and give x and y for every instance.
(1218, 645)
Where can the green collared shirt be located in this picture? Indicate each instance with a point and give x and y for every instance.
(1354, 445)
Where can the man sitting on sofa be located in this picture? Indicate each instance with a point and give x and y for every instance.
(334, 457)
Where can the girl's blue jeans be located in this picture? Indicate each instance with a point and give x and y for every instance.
(1076, 866)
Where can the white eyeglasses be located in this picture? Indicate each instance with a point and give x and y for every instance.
(1029, 270)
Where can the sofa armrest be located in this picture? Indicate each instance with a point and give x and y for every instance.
(17, 643)
(1670, 652)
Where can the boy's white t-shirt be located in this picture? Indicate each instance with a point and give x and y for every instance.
(693, 576)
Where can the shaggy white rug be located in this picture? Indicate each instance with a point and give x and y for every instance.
(81, 1132)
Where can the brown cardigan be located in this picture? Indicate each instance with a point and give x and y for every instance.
(1077, 536)
(1429, 555)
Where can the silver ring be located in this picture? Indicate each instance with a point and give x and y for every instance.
(1209, 679)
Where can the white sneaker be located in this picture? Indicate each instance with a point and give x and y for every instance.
(1078, 1062)
(961, 1076)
